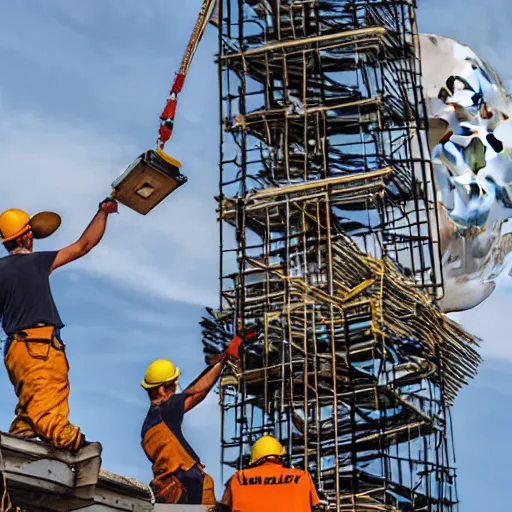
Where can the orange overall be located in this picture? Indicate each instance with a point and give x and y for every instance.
(172, 457)
(271, 487)
(38, 369)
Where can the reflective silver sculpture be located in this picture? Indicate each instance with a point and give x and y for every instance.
(469, 138)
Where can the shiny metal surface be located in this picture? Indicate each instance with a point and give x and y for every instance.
(469, 138)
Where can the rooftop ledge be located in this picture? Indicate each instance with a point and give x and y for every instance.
(40, 478)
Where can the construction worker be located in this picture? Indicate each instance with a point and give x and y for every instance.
(179, 476)
(34, 353)
(268, 486)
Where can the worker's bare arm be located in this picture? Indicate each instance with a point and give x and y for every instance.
(202, 385)
(197, 391)
(89, 239)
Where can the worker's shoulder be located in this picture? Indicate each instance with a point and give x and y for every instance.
(173, 405)
(243, 474)
(300, 476)
(176, 398)
(45, 254)
(233, 478)
(297, 471)
(10, 259)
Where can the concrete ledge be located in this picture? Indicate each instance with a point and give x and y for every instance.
(42, 478)
(180, 508)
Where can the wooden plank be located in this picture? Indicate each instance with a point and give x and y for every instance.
(357, 33)
(327, 182)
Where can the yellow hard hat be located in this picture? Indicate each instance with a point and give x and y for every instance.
(265, 447)
(160, 372)
(15, 223)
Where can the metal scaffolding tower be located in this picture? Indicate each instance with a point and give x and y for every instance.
(329, 242)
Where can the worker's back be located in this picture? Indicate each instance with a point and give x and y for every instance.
(25, 296)
(271, 487)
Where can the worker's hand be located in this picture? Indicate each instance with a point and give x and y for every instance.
(233, 349)
(108, 206)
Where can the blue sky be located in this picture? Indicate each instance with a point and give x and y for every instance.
(81, 88)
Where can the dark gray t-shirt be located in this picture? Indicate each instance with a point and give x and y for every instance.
(25, 296)
(171, 412)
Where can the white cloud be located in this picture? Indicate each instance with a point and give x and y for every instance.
(119, 395)
(147, 317)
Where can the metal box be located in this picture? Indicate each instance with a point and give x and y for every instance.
(147, 181)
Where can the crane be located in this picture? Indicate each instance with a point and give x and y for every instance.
(154, 175)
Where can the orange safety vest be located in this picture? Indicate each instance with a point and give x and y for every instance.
(272, 488)
(167, 456)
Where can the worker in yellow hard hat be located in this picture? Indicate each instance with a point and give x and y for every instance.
(179, 476)
(34, 353)
(267, 485)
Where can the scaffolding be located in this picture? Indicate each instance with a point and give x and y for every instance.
(329, 244)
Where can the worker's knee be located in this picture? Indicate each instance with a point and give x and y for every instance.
(58, 431)
(23, 427)
(69, 438)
